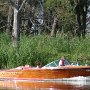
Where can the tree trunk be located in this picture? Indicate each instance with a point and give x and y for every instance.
(53, 32)
(16, 33)
(9, 24)
(81, 12)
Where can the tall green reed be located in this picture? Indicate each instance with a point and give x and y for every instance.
(44, 49)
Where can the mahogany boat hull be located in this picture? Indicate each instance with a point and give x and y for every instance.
(46, 73)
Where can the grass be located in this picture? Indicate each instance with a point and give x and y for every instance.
(43, 48)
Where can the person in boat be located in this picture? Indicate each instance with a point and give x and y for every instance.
(38, 64)
(61, 62)
(26, 66)
(23, 67)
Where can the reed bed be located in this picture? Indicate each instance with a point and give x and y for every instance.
(43, 48)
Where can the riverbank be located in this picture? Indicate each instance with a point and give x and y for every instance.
(44, 49)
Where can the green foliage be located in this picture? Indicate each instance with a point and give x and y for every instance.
(4, 7)
(63, 10)
(44, 49)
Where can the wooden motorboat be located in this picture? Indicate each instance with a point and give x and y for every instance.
(49, 71)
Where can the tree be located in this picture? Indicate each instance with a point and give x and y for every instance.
(37, 11)
(9, 20)
(3, 14)
(81, 12)
(62, 10)
(53, 32)
(51, 6)
(16, 31)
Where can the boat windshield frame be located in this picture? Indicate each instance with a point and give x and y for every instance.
(56, 63)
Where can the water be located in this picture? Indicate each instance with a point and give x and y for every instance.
(76, 83)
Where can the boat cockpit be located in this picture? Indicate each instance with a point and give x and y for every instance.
(56, 63)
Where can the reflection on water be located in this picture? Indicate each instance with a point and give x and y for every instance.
(78, 83)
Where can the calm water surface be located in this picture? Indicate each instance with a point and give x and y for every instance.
(78, 83)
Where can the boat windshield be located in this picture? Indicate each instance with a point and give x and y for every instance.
(55, 63)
